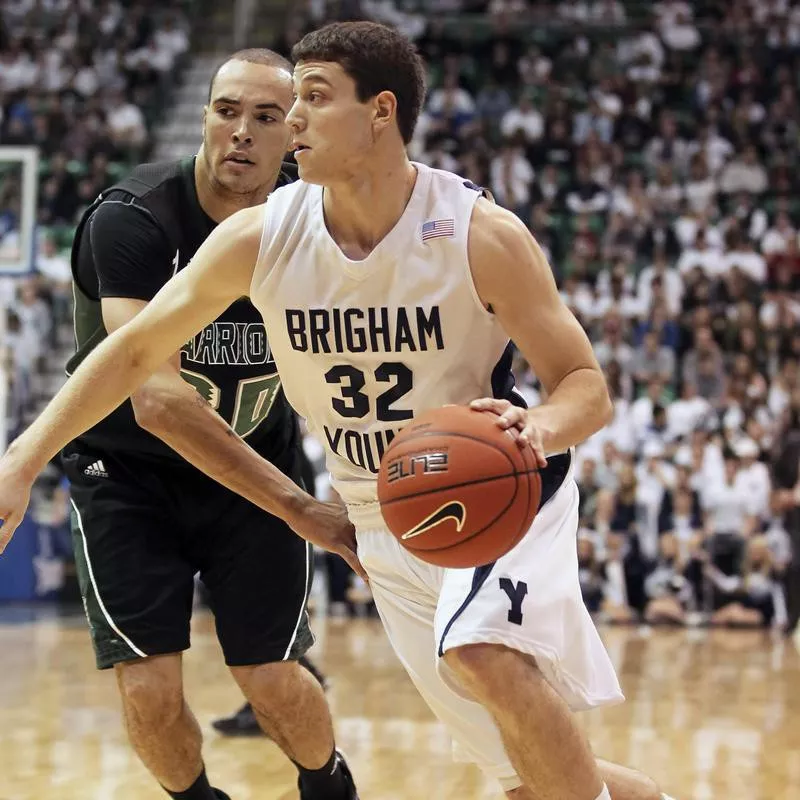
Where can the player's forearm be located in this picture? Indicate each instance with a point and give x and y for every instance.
(578, 407)
(180, 417)
(100, 384)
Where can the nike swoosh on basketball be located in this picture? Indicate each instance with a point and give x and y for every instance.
(453, 510)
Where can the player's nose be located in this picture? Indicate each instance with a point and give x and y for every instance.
(242, 136)
(293, 118)
(241, 132)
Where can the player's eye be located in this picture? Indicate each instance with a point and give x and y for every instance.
(224, 112)
(267, 118)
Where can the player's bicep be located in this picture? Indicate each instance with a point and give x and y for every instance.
(513, 278)
(220, 273)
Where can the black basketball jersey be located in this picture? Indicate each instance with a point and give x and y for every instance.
(129, 243)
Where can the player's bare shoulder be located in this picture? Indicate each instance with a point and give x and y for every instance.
(247, 223)
(502, 250)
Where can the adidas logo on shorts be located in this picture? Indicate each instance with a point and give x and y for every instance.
(96, 470)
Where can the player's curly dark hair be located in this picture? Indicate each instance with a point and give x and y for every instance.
(377, 58)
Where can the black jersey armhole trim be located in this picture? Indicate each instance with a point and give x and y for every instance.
(81, 230)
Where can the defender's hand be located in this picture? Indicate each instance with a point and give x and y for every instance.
(15, 494)
(511, 417)
(327, 526)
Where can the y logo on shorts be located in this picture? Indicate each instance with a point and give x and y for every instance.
(453, 510)
(516, 594)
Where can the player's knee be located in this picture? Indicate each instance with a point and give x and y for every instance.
(269, 685)
(151, 695)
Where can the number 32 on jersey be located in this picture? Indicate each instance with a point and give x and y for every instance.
(365, 450)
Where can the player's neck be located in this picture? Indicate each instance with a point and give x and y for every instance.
(360, 212)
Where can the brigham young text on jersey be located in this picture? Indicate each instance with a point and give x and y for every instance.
(364, 345)
(359, 330)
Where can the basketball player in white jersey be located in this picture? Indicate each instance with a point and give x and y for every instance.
(387, 289)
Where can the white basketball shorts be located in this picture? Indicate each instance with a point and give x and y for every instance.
(528, 600)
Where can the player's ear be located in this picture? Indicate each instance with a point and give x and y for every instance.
(205, 116)
(384, 109)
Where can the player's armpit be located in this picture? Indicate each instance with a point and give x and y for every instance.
(513, 278)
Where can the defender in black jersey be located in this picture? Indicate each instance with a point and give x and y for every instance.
(145, 520)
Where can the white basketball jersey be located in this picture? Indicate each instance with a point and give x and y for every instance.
(363, 346)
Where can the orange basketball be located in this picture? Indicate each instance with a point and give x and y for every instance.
(457, 490)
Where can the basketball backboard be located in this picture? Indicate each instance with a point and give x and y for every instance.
(18, 185)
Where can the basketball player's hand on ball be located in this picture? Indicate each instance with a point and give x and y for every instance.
(327, 525)
(15, 494)
(515, 420)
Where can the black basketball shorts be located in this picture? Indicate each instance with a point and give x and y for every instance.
(142, 530)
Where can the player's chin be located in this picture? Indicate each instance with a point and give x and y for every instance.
(240, 184)
(309, 172)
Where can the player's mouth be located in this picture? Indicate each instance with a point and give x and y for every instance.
(300, 148)
(240, 159)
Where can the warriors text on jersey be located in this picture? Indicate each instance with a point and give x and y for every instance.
(363, 346)
(129, 244)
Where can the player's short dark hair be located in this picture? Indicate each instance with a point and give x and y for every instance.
(253, 55)
(377, 58)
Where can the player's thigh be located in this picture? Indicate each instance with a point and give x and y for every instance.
(136, 584)
(530, 600)
(405, 591)
(258, 573)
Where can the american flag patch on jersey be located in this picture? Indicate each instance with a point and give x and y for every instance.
(437, 228)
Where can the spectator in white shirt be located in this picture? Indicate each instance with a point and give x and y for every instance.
(690, 222)
(744, 174)
(667, 12)
(126, 122)
(171, 37)
(685, 414)
(523, 117)
(612, 346)
(752, 478)
(742, 255)
(620, 299)
(511, 177)
(665, 192)
(714, 147)
(451, 101)
(727, 509)
(654, 477)
(703, 256)
(671, 282)
(681, 34)
(776, 239)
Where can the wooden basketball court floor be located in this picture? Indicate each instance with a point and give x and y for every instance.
(710, 714)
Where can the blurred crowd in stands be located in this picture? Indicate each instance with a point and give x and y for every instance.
(652, 148)
(84, 82)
